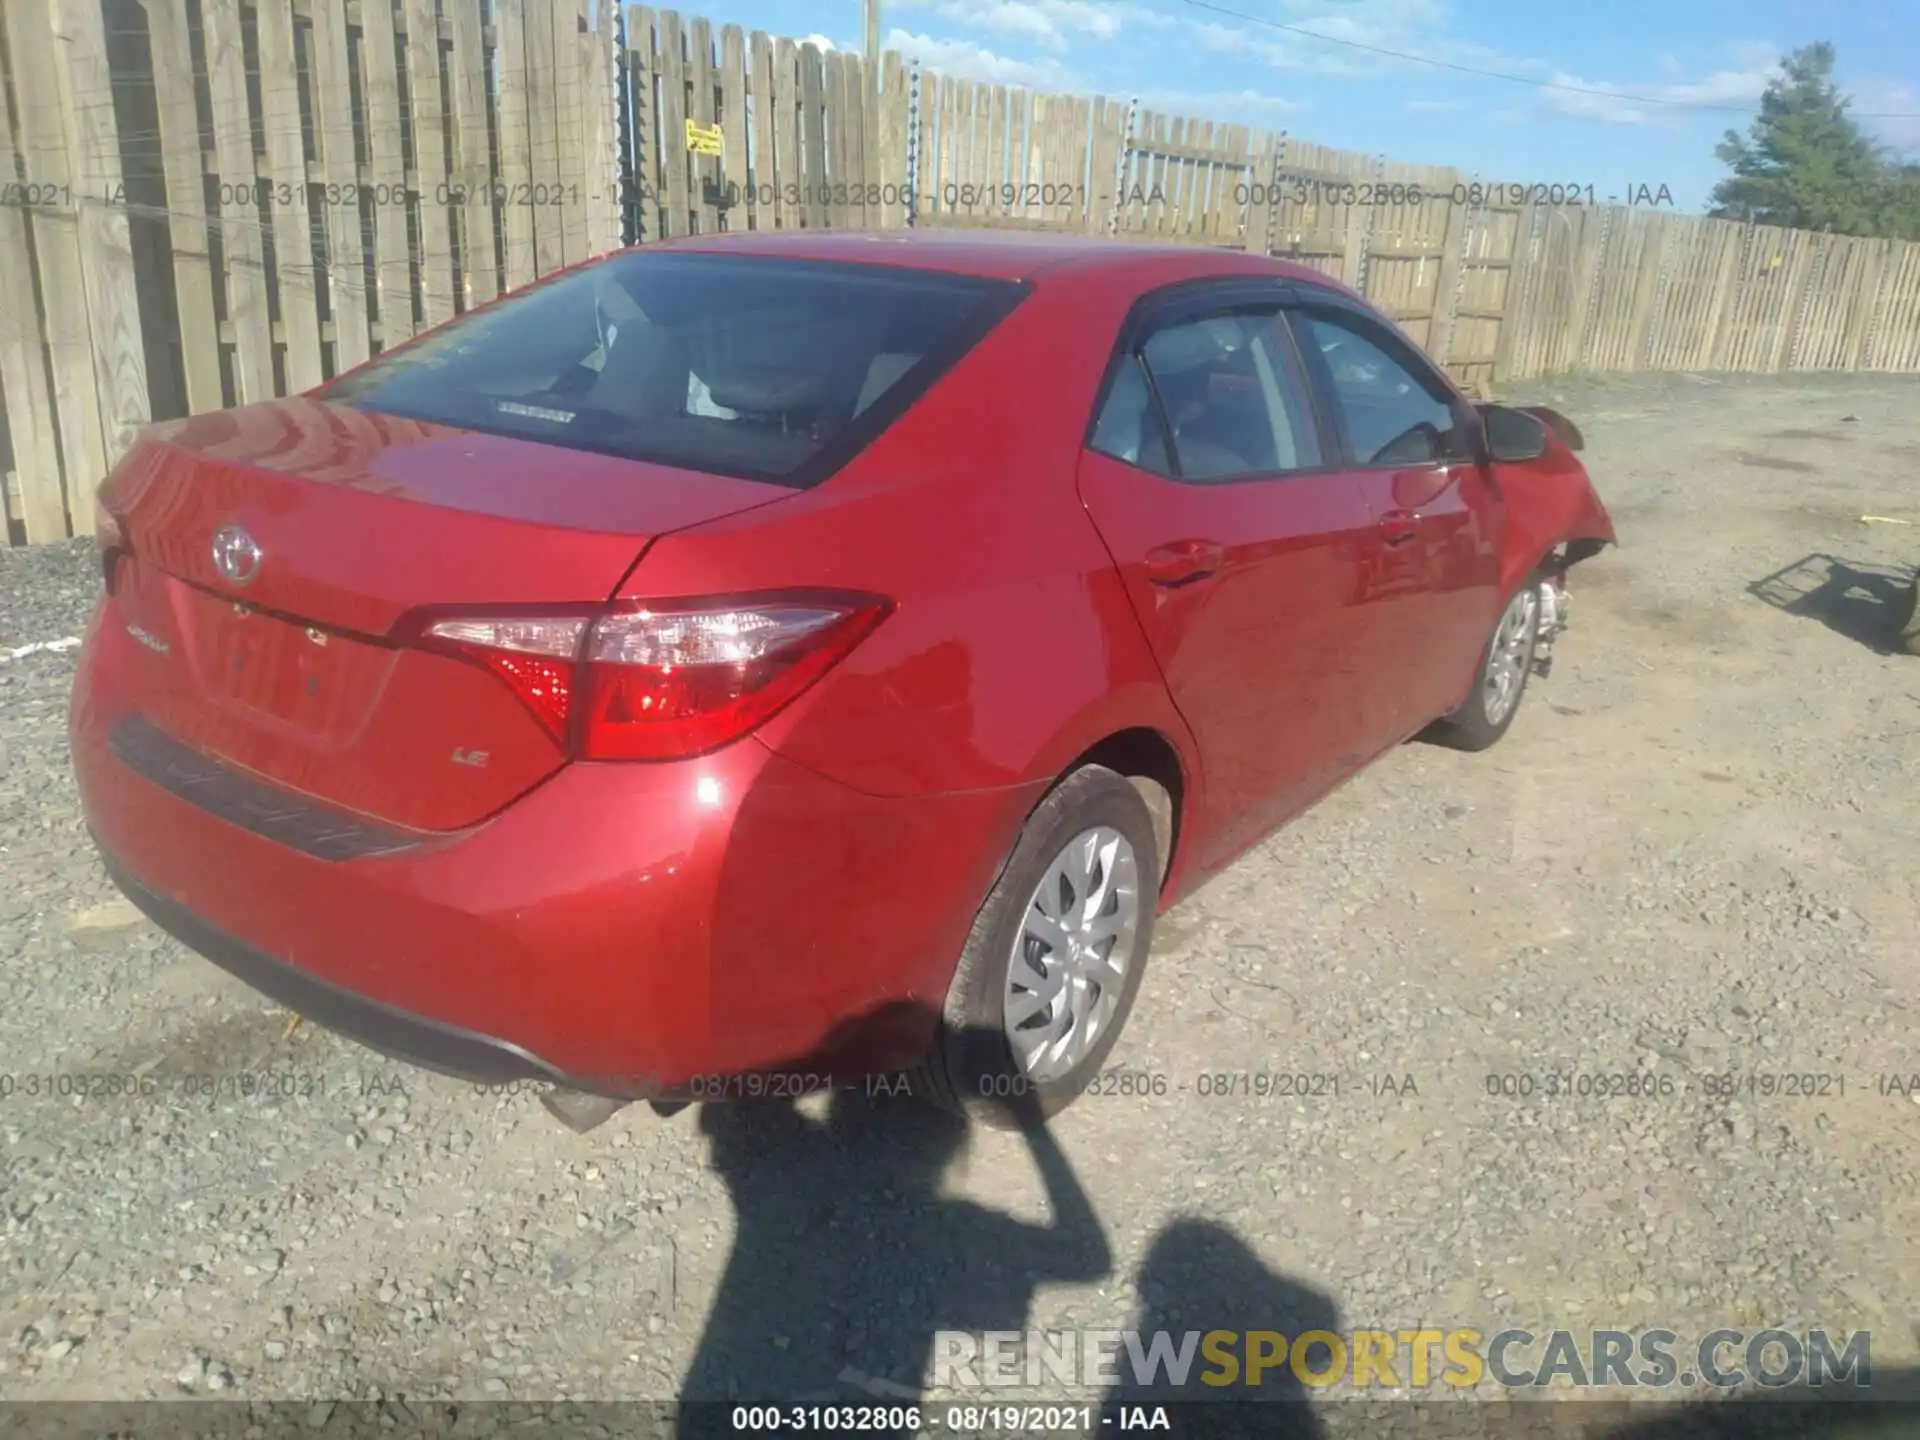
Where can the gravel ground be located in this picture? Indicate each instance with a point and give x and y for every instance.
(1695, 855)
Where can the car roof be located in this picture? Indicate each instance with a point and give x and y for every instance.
(1003, 254)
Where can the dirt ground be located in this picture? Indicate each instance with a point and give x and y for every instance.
(1696, 856)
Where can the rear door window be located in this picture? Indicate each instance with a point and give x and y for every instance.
(1209, 400)
(740, 365)
(1230, 408)
(1128, 427)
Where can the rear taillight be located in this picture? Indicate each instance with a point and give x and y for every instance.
(665, 681)
(536, 656)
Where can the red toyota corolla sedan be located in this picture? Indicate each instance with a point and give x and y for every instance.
(637, 682)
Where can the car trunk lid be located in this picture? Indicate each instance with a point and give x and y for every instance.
(275, 549)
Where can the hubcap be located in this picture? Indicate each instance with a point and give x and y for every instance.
(1508, 656)
(1070, 961)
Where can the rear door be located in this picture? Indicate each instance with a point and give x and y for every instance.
(1432, 584)
(1241, 550)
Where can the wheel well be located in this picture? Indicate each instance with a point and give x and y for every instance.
(1148, 759)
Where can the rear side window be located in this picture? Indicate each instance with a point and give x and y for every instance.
(1227, 401)
(1129, 425)
(739, 365)
(1208, 400)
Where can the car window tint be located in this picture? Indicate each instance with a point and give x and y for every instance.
(1230, 404)
(1128, 427)
(739, 365)
(1392, 417)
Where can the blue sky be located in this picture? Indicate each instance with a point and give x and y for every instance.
(1188, 57)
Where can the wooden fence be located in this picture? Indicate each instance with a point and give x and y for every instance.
(209, 202)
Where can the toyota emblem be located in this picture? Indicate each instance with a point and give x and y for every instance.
(235, 555)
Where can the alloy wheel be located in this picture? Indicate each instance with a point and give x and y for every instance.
(1510, 653)
(1069, 963)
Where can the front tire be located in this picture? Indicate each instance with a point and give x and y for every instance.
(1051, 967)
(1909, 635)
(1501, 679)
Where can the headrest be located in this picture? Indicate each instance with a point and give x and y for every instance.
(769, 388)
(1189, 347)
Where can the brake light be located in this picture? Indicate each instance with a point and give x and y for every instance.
(536, 656)
(666, 681)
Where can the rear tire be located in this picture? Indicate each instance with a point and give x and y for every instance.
(1091, 842)
(1500, 680)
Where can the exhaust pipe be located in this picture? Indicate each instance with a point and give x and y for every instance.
(579, 1111)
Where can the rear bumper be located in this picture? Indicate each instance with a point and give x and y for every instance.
(627, 929)
(414, 1039)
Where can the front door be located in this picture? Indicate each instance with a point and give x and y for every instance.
(1433, 586)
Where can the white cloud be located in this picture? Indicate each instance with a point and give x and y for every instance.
(1409, 27)
(1722, 87)
(1412, 28)
(965, 60)
(1897, 103)
(820, 41)
(1419, 28)
(1053, 23)
(1218, 104)
(1582, 106)
(1753, 54)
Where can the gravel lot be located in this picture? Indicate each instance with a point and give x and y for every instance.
(1698, 853)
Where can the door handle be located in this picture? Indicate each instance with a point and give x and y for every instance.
(1184, 561)
(1397, 527)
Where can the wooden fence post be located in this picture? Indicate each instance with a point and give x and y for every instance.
(184, 169)
(472, 175)
(44, 99)
(1866, 300)
(513, 38)
(1446, 290)
(1513, 311)
(1360, 233)
(1734, 240)
(387, 172)
(1594, 239)
(285, 189)
(1645, 288)
(733, 124)
(31, 421)
(1809, 259)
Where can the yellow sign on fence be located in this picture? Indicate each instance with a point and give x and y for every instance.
(703, 141)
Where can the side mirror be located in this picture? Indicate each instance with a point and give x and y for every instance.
(1512, 435)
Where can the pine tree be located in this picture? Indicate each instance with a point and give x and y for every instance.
(1806, 163)
(1900, 217)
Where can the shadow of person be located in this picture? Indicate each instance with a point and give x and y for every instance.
(1199, 1276)
(847, 1259)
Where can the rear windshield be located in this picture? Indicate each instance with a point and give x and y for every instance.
(738, 365)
